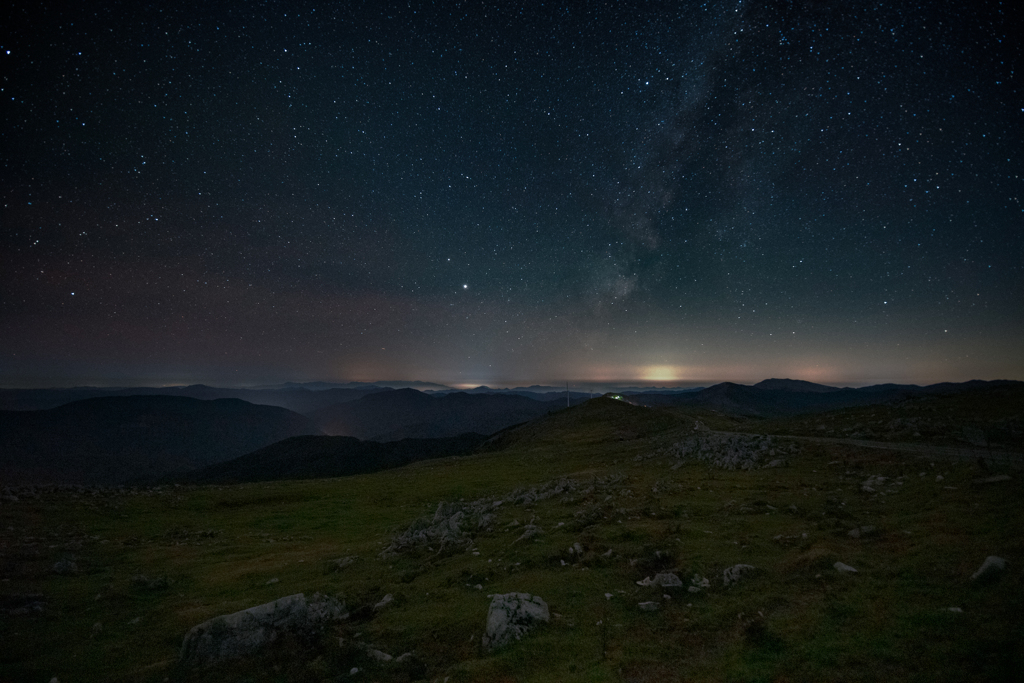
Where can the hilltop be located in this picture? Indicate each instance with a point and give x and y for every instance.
(580, 507)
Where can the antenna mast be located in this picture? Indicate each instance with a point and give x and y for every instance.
(566, 393)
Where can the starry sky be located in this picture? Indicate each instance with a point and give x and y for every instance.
(498, 193)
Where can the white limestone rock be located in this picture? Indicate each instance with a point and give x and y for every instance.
(990, 568)
(735, 572)
(511, 616)
(844, 568)
(665, 580)
(231, 636)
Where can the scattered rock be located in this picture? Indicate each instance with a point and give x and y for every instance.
(664, 580)
(728, 451)
(341, 563)
(866, 530)
(378, 656)
(649, 606)
(19, 604)
(65, 567)
(235, 635)
(991, 568)
(993, 479)
(155, 583)
(529, 531)
(734, 573)
(698, 583)
(510, 616)
(385, 601)
(957, 610)
(844, 568)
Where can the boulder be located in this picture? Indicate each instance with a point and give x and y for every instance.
(664, 580)
(65, 567)
(648, 606)
(510, 616)
(733, 573)
(698, 583)
(844, 568)
(990, 568)
(231, 636)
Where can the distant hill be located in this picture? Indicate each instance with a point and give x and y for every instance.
(115, 440)
(600, 420)
(407, 413)
(314, 457)
(782, 398)
(794, 385)
(297, 398)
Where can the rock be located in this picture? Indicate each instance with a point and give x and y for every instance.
(65, 567)
(733, 574)
(955, 610)
(384, 602)
(993, 479)
(663, 580)
(154, 583)
(844, 568)
(698, 583)
(861, 531)
(235, 635)
(649, 606)
(991, 568)
(342, 562)
(510, 616)
(529, 531)
(378, 655)
(777, 462)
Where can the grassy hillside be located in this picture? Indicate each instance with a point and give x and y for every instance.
(991, 416)
(151, 565)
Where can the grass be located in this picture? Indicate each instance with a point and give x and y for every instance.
(795, 619)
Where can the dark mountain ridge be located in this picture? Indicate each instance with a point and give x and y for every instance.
(407, 413)
(784, 398)
(298, 399)
(119, 439)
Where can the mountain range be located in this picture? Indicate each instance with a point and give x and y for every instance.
(121, 439)
(121, 436)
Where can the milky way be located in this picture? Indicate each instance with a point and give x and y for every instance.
(486, 193)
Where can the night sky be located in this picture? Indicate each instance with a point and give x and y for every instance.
(488, 193)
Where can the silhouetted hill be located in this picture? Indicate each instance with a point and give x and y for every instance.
(794, 385)
(315, 457)
(599, 420)
(793, 397)
(299, 399)
(407, 413)
(115, 440)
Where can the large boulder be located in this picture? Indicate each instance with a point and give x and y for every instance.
(734, 573)
(991, 568)
(235, 635)
(510, 616)
(665, 580)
